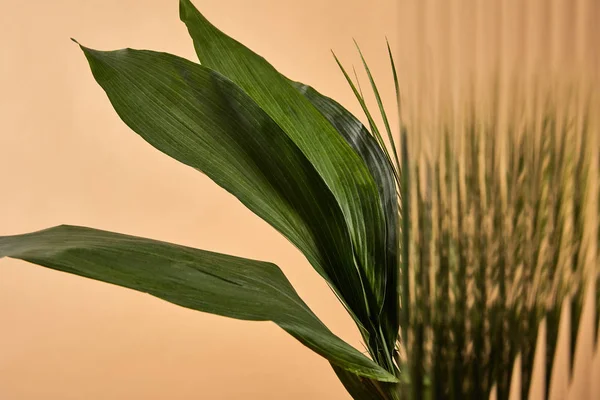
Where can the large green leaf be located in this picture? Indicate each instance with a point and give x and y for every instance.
(359, 138)
(202, 119)
(337, 163)
(201, 280)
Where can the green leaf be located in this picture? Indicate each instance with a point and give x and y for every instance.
(380, 102)
(340, 167)
(202, 119)
(363, 105)
(396, 83)
(359, 138)
(201, 280)
(361, 388)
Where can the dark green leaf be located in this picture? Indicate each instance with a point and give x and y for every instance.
(396, 83)
(201, 280)
(339, 166)
(202, 119)
(380, 104)
(355, 133)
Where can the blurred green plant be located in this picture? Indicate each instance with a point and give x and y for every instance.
(447, 260)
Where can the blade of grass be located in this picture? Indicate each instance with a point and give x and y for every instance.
(374, 129)
(386, 123)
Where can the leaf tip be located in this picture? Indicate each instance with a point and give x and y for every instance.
(185, 8)
(86, 50)
(335, 56)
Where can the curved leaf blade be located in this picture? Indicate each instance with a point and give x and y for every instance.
(339, 166)
(380, 105)
(205, 121)
(359, 138)
(200, 280)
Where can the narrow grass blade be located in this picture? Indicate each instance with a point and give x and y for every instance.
(386, 123)
(374, 130)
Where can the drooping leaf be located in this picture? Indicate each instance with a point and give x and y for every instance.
(202, 119)
(340, 167)
(200, 280)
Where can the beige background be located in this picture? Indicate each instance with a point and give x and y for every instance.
(65, 157)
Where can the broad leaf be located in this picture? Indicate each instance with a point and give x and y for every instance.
(202, 119)
(359, 138)
(340, 167)
(201, 280)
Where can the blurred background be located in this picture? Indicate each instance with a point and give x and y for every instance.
(65, 157)
(513, 66)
